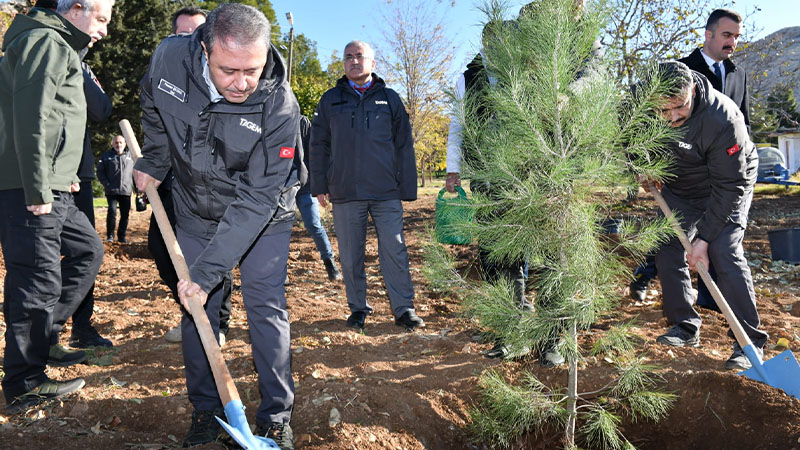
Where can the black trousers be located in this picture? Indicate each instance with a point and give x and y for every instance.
(158, 248)
(82, 316)
(124, 211)
(49, 259)
(725, 252)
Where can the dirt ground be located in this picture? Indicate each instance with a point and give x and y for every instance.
(393, 389)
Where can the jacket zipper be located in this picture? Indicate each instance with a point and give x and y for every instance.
(59, 144)
(186, 147)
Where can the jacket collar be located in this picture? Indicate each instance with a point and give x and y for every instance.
(45, 18)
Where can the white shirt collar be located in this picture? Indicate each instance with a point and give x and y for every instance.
(212, 90)
(710, 61)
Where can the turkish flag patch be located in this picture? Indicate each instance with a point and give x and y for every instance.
(287, 152)
(731, 151)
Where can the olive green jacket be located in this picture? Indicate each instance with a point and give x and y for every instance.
(42, 105)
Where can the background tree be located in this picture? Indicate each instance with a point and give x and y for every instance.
(417, 62)
(641, 30)
(121, 59)
(554, 149)
(309, 81)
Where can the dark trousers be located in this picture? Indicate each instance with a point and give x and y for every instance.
(725, 252)
(351, 220)
(82, 317)
(263, 270)
(124, 211)
(49, 259)
(158, 248)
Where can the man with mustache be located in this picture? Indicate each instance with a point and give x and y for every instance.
(362, 161)
(723, 29)
(217, 110)
(714, 170)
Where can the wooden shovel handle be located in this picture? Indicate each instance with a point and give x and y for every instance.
(225, 386)
(738, 331)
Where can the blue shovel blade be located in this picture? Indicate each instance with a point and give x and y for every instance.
(239, 429)
(782, 372)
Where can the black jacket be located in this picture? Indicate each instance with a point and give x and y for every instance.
(98, 109)
(735, 81)
(362, 147)
(714, 160)
(237, 166)
(115, 172)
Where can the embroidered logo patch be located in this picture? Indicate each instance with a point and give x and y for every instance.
(731, 151)
(249, 125)
(684, 145)
(381, 102)
(172, 90)
(287, 152)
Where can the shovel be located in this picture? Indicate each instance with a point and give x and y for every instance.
(782, 371)
(238, 428)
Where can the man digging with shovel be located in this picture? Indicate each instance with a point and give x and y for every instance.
(218, 110)
(714, 168)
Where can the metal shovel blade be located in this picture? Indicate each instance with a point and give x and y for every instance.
(782, 372)
(239, 429)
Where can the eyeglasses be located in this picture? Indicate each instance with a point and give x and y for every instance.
(359, 57)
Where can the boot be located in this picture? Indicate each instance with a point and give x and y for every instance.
(332, 269)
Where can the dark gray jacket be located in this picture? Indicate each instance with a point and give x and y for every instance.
(236, 166)
(715, 160)
(115, 172)
(361, 147)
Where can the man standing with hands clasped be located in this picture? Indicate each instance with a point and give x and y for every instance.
(217, 109)
(362, 161)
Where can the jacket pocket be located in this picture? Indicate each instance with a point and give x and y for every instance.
(233, 156)
(62, 137)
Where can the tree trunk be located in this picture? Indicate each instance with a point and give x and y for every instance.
(572, 391)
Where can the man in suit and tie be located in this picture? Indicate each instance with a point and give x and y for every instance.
(723, 29)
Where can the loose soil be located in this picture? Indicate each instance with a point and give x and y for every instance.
(393, 389)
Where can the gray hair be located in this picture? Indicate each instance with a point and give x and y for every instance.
(369, 52)
(237, 24)
(88, 5)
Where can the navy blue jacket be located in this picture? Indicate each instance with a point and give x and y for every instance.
(237, 166)
(362, 147)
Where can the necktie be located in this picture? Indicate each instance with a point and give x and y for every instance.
(718, 73)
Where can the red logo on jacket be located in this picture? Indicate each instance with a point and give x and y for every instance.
(732, 151)
(287, 152)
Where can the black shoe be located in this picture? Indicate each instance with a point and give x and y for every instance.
(639, 288)
(46, 391)
(409, 320)
(281, 433)
(109, 238)
(122, 240)
(677, 336)
(333, 271)
(204, 429)
(550, 356)
(739, 361)
(356, 320)
(525, 305)
(60, 356)
(88, 337)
